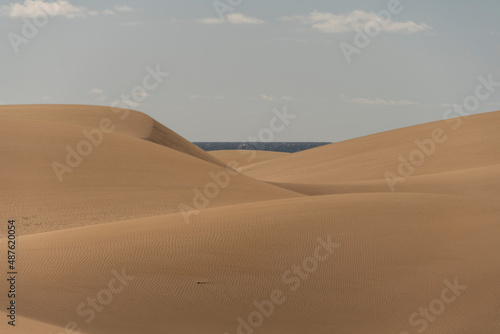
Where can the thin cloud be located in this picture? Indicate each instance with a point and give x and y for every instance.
(357, 19)
(287, 98)
(379, 101)
(211, 20)
(96, 91)
(124, 8)
(267, 98)
(234, 18)
(237, 18)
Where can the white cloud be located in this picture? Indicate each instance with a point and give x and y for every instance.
(233, 18)
(237, 18)
(267, 98)
(33, 8)
(124, 8)
(211, 20)
(379, 101)
(287, 98)
(357, 19)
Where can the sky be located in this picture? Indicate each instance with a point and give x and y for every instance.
(221, 70)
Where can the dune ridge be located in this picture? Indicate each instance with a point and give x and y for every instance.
(474, 143)
(129, 122)
(124, 177)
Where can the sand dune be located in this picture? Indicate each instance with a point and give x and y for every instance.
(463, 143)
(122, 178)
(246, 157)
(310, 242)
(481, 182)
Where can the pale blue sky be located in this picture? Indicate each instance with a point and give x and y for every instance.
(227, 75)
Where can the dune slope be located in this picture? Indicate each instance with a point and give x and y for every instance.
(436, 147)
(246, 157)
(122, 178)
(392, 257)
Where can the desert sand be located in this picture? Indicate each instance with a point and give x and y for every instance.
(246, 157)
(310, 242)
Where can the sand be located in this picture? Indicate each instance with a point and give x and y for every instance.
(246, 157)
(297, 245)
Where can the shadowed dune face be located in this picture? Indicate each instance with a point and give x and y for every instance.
(127, 122)
(323, 246)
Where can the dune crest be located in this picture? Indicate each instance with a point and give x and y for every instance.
(464, 143)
